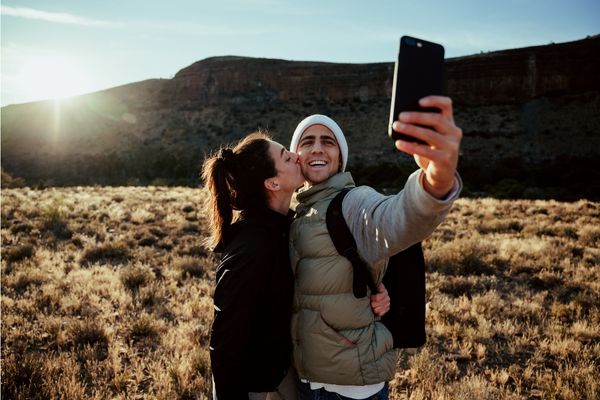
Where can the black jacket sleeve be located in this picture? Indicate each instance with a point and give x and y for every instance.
(243, 278)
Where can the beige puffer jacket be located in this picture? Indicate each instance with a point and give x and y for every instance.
(335, 335)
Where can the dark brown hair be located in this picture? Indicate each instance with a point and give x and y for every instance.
(234, 177)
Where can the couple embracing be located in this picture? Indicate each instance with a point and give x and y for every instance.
(287, 324)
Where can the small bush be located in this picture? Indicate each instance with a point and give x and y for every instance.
(461, 257)
(563, 312)
(201, 362)
(55, 223)
(151, 296)
(111, 253)
(158, 232)
(24, 279)
(21, 227)
(194, 251)
(475, 388)
(459, 286)
(590, 235)
(147, 240)
(88, 333)
(191, 228)
(545, 281)
(500, 226)
(189, 267)
(188, 208)
(22, 376)
(558, 230)
(135, 277)
(19, 253)
(588, 300)
(165, 245)
(143, 328)
(426, 371)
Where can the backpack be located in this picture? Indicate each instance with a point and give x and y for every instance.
(404, 280)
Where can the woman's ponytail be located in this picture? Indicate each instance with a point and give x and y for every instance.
(214, 175)
(234, 179)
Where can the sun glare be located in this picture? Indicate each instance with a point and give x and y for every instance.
(53, 77)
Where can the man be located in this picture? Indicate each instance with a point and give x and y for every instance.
(339, 348)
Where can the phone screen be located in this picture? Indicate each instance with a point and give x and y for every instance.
(419, 72)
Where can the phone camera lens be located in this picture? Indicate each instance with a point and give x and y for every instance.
(410, 41)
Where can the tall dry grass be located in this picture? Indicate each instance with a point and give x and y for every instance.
(106, 293)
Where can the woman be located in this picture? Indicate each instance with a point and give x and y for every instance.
(251, 187)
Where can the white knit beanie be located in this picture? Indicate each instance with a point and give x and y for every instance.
(318, 119)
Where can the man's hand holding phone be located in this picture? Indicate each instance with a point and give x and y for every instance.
(438, 158)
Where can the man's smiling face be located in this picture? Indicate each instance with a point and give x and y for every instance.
(319, 154)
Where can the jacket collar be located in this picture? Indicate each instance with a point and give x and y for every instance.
(308, 197)
(268, 217)
(264, 216)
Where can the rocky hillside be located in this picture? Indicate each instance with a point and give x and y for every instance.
(530, 118)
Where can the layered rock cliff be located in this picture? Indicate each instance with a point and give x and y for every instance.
(521, 110)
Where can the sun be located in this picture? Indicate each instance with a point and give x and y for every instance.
(53, 77)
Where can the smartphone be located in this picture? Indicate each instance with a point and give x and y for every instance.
(419, 72)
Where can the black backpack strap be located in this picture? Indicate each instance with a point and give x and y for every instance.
(344, 243)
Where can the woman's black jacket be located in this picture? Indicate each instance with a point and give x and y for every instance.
(250, 345)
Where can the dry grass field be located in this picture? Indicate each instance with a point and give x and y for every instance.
(106, 293)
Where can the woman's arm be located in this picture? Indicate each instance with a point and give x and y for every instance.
(241, 284)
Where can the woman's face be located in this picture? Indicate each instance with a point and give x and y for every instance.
(289, 175)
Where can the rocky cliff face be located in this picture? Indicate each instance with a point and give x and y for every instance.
(521, 75)
(231, 80)
(501, 77)
(522, 107)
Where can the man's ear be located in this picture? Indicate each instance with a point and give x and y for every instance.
(271, 184)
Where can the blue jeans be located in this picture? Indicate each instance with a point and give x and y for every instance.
(306, 393)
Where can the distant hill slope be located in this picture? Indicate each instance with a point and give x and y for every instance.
(530, 120)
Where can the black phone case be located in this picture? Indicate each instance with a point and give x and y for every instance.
(419, 72)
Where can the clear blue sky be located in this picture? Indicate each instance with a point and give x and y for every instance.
(62, 47)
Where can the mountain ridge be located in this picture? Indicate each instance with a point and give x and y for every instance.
(513, 104)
